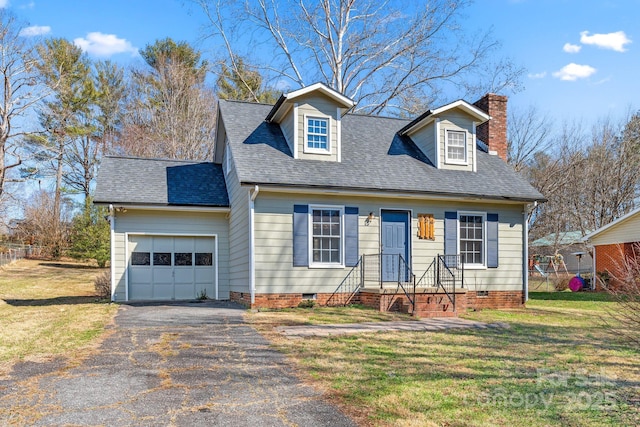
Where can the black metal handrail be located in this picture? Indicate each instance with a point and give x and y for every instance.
(350, 285)
(406, 279)
(444, 273)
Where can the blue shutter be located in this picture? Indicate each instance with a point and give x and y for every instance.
(451, 238)
(492, 240)
(300, 235)
(350, 236)
(451, 233)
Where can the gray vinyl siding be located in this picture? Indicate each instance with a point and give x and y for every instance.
(274, 242)
(174, 223)
(627, 231)
(238, 232)
(454, 121)
(323, 107)
(287, 126)
(426, 141)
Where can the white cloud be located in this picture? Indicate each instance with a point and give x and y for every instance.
(572, 72)
(4, 3)
(99, 44)
(541, 75)
(35, 30)
(614, 41)
(571, 48)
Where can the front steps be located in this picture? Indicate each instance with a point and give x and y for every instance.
(428, 302)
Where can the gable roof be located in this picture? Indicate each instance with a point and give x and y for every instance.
(282, 104)
(624, 218)
(564, 239)
(374, 158)
(430, 115)
(157, 182)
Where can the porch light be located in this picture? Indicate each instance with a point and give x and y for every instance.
(369, 219)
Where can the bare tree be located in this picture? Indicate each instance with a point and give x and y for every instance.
(588, 179)
(604, 179)
(529, 132)
(43, 226)
(18, 92)
(170, 111)
(386, 56)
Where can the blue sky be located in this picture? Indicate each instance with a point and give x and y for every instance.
(581, 56)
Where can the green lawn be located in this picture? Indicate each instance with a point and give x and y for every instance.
(555, 365)
(49, 309)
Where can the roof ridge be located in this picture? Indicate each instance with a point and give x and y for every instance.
(155, 159)
(240, 101)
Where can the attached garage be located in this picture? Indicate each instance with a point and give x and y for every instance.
(169, 228)
(164, 267)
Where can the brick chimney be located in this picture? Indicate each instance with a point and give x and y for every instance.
(494, 132)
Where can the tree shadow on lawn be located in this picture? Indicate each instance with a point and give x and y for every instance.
(571, 296)
(68, 300)
(69, 265)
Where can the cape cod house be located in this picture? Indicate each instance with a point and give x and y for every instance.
(305, 200)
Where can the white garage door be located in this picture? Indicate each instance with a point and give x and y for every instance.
(171, 268)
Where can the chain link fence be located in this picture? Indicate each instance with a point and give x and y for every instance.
(10, 252)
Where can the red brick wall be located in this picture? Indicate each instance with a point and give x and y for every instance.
(495, 299)
(610, 258)
(494, 132)
(427, 305)
(276, 300)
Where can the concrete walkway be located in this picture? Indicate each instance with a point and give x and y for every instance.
(193, 364)
(429, 325)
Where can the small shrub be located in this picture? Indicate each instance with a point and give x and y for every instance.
(307, 303)
(561, 283)
(102, 284)
(202, 295)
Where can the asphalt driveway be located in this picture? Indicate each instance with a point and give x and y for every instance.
(191, 364)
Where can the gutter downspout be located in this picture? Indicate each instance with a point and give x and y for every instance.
(594, 277)
(525, 252)
(112, 241)
(252, 243)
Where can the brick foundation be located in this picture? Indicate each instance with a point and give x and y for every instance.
(276, 300)
(427, 304)
(495, 300)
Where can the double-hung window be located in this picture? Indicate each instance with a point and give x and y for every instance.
(472, 239)
(317, 134)
(326, 236)
(456, 147)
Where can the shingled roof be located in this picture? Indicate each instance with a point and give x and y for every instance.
(374, 158)
(137, 181)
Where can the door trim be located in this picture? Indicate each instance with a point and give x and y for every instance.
(409, 252)
(127, 257)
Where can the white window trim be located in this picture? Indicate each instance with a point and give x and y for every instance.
(482, 266)
(310, 237)
(227, 155)
(464, 162)
(306, 148)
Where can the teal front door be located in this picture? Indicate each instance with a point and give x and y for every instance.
(395, 244)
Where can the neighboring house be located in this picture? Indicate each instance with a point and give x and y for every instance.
(303, 196)
(614, 244)
(567, 244)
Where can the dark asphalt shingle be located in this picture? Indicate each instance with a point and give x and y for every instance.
(129, 180)
(374, 158)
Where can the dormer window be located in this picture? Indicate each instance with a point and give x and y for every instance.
(456, 147)
(317, 135)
